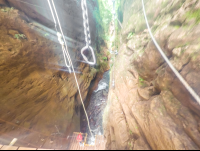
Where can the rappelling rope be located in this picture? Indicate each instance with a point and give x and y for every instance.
(192, 92)
(87, 34)
(63, 44)
(70, 62)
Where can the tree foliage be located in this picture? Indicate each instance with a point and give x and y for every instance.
(103, 16)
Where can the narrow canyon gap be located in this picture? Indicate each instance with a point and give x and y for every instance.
(133, 100)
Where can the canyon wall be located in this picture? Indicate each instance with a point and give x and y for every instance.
(149, 108)
(37, 92)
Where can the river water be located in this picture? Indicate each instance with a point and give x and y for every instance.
(95, 109)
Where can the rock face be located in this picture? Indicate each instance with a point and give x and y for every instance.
(69, 13)
(149, 108)
(95, 109)
(36, 90)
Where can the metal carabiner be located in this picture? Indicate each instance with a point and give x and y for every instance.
(85, 58)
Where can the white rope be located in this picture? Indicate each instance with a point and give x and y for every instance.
(64, 45)
(192, 92)
(60, 38)
(70, 61)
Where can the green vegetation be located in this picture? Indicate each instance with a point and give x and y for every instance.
(130, 35)
(141, 52)
(107, 53)
(141, 81)
(3, 10)
(177, 26)
(117, 98)
(6, 9)
(111, 65)
(102, 67)
(102, 63)
(103, 16)
(130, 132)
(105, 58)
(20, 36)
(46, 34)
(182, 51)
(164, 4)
(154, 28)
(129, 144)
(195, 14)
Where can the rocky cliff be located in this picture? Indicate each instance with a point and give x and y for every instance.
(36, 91)
(149, 108)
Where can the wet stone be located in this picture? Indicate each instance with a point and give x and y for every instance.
(95, 109)
(105, 93)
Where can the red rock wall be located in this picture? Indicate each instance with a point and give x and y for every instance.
(149, 108)
(36, 90)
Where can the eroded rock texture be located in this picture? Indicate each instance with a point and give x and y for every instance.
(149, 108)
(36, 90)
(69, 12)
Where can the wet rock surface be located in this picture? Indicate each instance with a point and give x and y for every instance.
(37, 92)
(95, 109)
